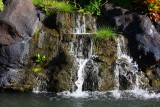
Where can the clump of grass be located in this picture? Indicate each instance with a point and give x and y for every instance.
(105, 32)
(1, 5)
(102, 33)
(51, 6)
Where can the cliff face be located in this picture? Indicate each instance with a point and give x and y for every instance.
(62, 39)
(62, 45)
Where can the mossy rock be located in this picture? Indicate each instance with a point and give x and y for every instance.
(156, 82)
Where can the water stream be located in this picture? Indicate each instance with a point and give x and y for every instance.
(127, 74)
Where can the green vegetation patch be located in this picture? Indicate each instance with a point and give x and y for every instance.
(1, 5)
(39, 58)
(51, 6)
(36, 69)
(105, 32)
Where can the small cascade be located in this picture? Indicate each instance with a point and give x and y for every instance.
(82, 52)
(40, 84)
(80, 27)
(127, 76)
(126, 70)
(79, 82)
(84, 22)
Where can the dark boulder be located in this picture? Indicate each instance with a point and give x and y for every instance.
(144, 40)
(17, 21)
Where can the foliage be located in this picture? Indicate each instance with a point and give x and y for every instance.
(94, 7)
(39, 58)
(1, 5)
(36, 69)
(154, 8)
(50, 6)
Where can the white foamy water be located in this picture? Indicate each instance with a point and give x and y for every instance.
(126, 67)
(81, 60)
(80, 25)
(79, 82)
(38, 85)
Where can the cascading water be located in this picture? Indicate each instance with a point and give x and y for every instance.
(80, 27)
(81, 49)
(40, 84)
(126, 73)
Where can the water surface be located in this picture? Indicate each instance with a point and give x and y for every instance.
(94, 99)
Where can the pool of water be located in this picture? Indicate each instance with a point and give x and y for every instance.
(92, 99)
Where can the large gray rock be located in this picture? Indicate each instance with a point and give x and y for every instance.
(144, 40)
(17, 21)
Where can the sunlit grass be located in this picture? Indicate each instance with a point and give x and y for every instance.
(105, 32)
(50, 6)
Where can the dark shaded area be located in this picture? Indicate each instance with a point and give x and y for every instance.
(56, 66)
(50, 21)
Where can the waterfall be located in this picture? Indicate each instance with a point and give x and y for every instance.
(125, 67)
(128, 70)
(80, 27)
(39, 84)
(82, 51)
(81, 59)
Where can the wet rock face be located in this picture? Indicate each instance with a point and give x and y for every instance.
(142, 35)
(17, 21)
(67, 23)
(20, 71)
(153, 74)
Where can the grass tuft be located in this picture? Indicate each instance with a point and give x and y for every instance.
(51, 6)
(105, 32)
(102, 33)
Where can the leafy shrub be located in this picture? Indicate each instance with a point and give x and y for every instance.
(154, 8)
(50, 6)
(39, 58)
(94, 7)
(1, 5)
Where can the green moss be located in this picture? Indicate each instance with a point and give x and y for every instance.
(36, 33)
(1, 5)
(51, 6)
(156, 82)
(36, 69)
